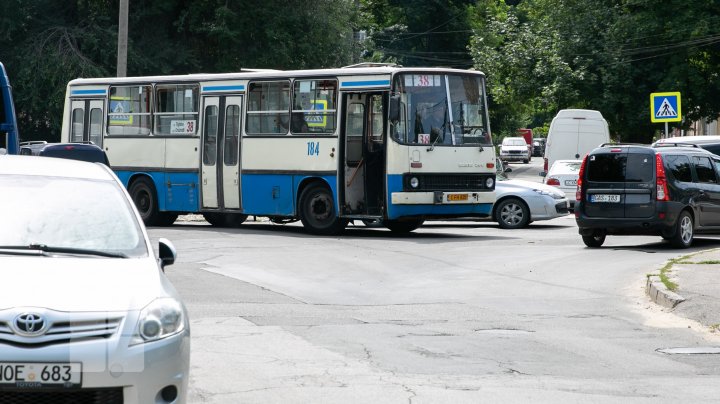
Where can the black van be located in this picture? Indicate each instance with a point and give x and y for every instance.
(76, 151)
(671, 191)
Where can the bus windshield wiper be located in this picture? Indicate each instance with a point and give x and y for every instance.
(63, 250)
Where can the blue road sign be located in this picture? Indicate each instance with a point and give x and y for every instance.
(665, 107)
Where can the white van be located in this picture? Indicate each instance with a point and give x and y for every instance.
(574, 133)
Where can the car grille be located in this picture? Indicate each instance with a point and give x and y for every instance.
(80, 396)
(515, 152)
(445, 182)
(63, 331)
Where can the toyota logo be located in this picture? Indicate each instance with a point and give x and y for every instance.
(29, 324)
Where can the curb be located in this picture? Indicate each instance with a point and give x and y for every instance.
(660, 294)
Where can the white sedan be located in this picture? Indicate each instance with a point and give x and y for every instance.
(86, 311)
(564, 175)
(518, 202)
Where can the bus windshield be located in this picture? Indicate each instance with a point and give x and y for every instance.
(441, 110)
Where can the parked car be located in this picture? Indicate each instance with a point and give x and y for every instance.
(519, 203)
(86, 311)
(75, 151)
(514, 149)
(538, 147)
(564, 174)
(672, 192)
(709, 143)
(574, 133)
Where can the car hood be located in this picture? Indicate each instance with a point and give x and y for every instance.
(80, 284)
(519, 186)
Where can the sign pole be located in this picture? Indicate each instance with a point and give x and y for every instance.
(666, 130)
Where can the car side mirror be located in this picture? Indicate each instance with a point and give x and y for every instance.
(543, 173)
(394, 109)
(167, 252)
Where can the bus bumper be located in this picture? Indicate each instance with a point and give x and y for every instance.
(442, 198)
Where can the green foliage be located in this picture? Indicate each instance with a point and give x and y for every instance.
(46, 43)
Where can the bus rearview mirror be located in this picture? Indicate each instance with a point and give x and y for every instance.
(394, 112)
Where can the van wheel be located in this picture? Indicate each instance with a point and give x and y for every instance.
(317, 211)
(142, 192)
(594, 240)
(684, 231)
(512, 213)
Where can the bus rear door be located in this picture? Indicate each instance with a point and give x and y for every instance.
(221, 142)
(86, 124)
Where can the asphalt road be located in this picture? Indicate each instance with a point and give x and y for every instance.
(454, 312)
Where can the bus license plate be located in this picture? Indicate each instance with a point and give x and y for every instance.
(605, 198)
(457, 197)
(36, 375)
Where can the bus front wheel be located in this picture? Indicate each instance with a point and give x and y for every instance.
(317, 211)
(143, 194)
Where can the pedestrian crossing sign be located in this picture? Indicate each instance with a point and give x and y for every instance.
(665, 107)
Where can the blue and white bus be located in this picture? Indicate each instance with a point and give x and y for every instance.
(381, 143)
(9, 138)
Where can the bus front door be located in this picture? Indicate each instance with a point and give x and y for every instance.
(364, 151)
(87, 121)
(220, 174)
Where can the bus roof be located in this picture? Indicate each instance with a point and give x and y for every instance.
(252, 74)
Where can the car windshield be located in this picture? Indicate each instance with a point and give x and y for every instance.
(59, 213)
(571, 166)
(514, 142)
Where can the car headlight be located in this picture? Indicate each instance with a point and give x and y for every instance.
(160, 319)
(551, 193)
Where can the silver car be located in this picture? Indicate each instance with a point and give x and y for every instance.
(518, 202)
(86, 312)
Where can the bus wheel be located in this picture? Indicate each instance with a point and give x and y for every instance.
(403, 226)
(142, 192)
(224, 219)
(317, 211)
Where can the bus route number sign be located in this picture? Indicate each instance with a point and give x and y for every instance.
(313, 148)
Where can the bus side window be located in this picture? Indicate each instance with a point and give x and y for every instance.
(268, 108)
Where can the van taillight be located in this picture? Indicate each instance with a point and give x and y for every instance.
(581, 174)
(553, 181)
(661, 181)
(545, 164)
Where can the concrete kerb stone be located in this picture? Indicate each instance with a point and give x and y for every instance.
(660, 294)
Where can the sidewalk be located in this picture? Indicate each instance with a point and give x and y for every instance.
(697, 292)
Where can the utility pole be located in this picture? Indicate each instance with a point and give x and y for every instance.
(122, 39)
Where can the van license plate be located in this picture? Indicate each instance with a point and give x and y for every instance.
(457, 197)
(605, 198)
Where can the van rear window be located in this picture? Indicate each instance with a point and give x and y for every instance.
(606, 167)
(614, 167)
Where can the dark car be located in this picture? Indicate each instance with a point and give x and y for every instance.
(670, 191)
(539, 147)
(75, 151)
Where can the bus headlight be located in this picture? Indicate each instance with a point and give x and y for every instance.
(414, 182)
(490, 182)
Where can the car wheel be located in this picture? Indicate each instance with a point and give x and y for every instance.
(684, 231)
(594, 240)
(526, 161)
(224, 219)
(142, 192)
(512, 213)
(317, 211)
(403, 226)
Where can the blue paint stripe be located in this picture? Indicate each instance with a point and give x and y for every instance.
(366, 83)
(88, 92)
(224, 88)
